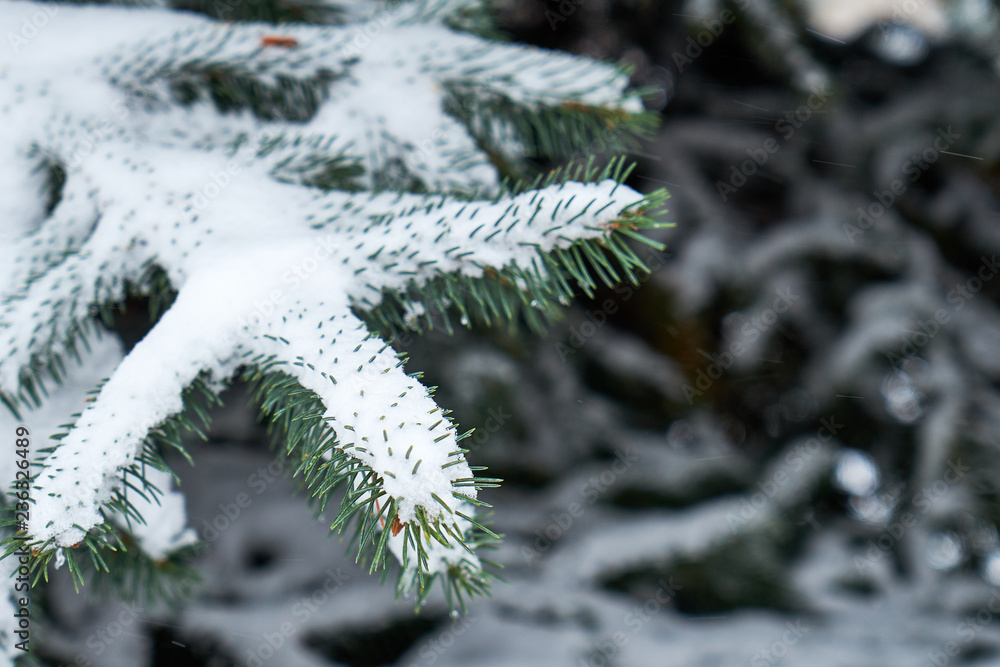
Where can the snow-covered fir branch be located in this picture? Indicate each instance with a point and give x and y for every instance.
(292, 194)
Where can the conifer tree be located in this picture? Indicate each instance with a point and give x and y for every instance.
(289, 193)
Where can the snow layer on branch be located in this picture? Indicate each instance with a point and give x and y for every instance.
(256, 255)
(410, 237)
(266, 270)
(164, 530)
(250, 285)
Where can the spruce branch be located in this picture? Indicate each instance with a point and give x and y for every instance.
(261, 187)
